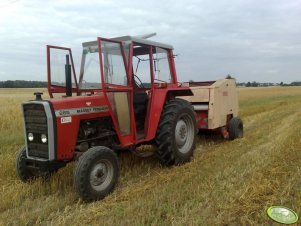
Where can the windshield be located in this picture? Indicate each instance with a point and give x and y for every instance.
(90, 69)
(114, 67)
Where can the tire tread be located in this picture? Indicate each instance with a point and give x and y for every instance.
(82, 170)
(164, 135)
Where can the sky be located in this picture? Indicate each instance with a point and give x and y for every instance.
(252, 40)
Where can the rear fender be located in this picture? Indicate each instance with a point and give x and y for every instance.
(159, 98)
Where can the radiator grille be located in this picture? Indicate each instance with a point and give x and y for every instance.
(36, 123)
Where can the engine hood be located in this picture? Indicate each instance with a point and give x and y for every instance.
(79, 105)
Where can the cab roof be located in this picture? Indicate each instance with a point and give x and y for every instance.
(137, 39)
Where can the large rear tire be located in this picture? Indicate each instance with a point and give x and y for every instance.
(176, 133)
(96, 173)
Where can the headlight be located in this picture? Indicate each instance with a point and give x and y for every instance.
(30, 136)
(43, 138)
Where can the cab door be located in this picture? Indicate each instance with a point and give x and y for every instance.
(115, 80)
(57, 60)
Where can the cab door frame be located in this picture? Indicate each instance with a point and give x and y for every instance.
(150, 93)
(125, 139)
(55, 88)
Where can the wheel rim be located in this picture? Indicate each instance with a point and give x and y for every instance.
(101, 175)
(184, 134)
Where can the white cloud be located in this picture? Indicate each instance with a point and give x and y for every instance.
(246, 38)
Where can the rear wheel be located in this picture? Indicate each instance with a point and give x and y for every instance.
(176, 133)
(96, 173)
(236, 128)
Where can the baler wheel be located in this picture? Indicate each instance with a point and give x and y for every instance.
(176, 133)
(236, 128)
(96, 173)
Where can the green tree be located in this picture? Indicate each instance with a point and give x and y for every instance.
(229, 77)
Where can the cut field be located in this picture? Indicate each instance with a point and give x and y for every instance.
(226, 183)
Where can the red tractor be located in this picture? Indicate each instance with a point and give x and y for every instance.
(125, 96)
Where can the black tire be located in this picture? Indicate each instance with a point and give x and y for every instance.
(176, 133)
(26, 173)
(23, 172)
(236, 128)
(96, 173)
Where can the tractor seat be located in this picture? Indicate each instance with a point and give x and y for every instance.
(140, 103)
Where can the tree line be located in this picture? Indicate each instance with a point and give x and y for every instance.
(41, 84)
(264, 84)
(22, 84)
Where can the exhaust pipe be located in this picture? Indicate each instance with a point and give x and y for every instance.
(68, 77)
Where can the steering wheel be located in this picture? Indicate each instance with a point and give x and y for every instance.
(138, 83)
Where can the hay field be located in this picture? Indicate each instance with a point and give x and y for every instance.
(227, 183)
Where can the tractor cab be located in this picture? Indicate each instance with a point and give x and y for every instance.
(132, 73)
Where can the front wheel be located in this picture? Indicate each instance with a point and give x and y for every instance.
(27, 172)
(23, 172)
(96, 173)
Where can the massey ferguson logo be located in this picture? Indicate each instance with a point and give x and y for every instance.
(80, 111)
(84, 110)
